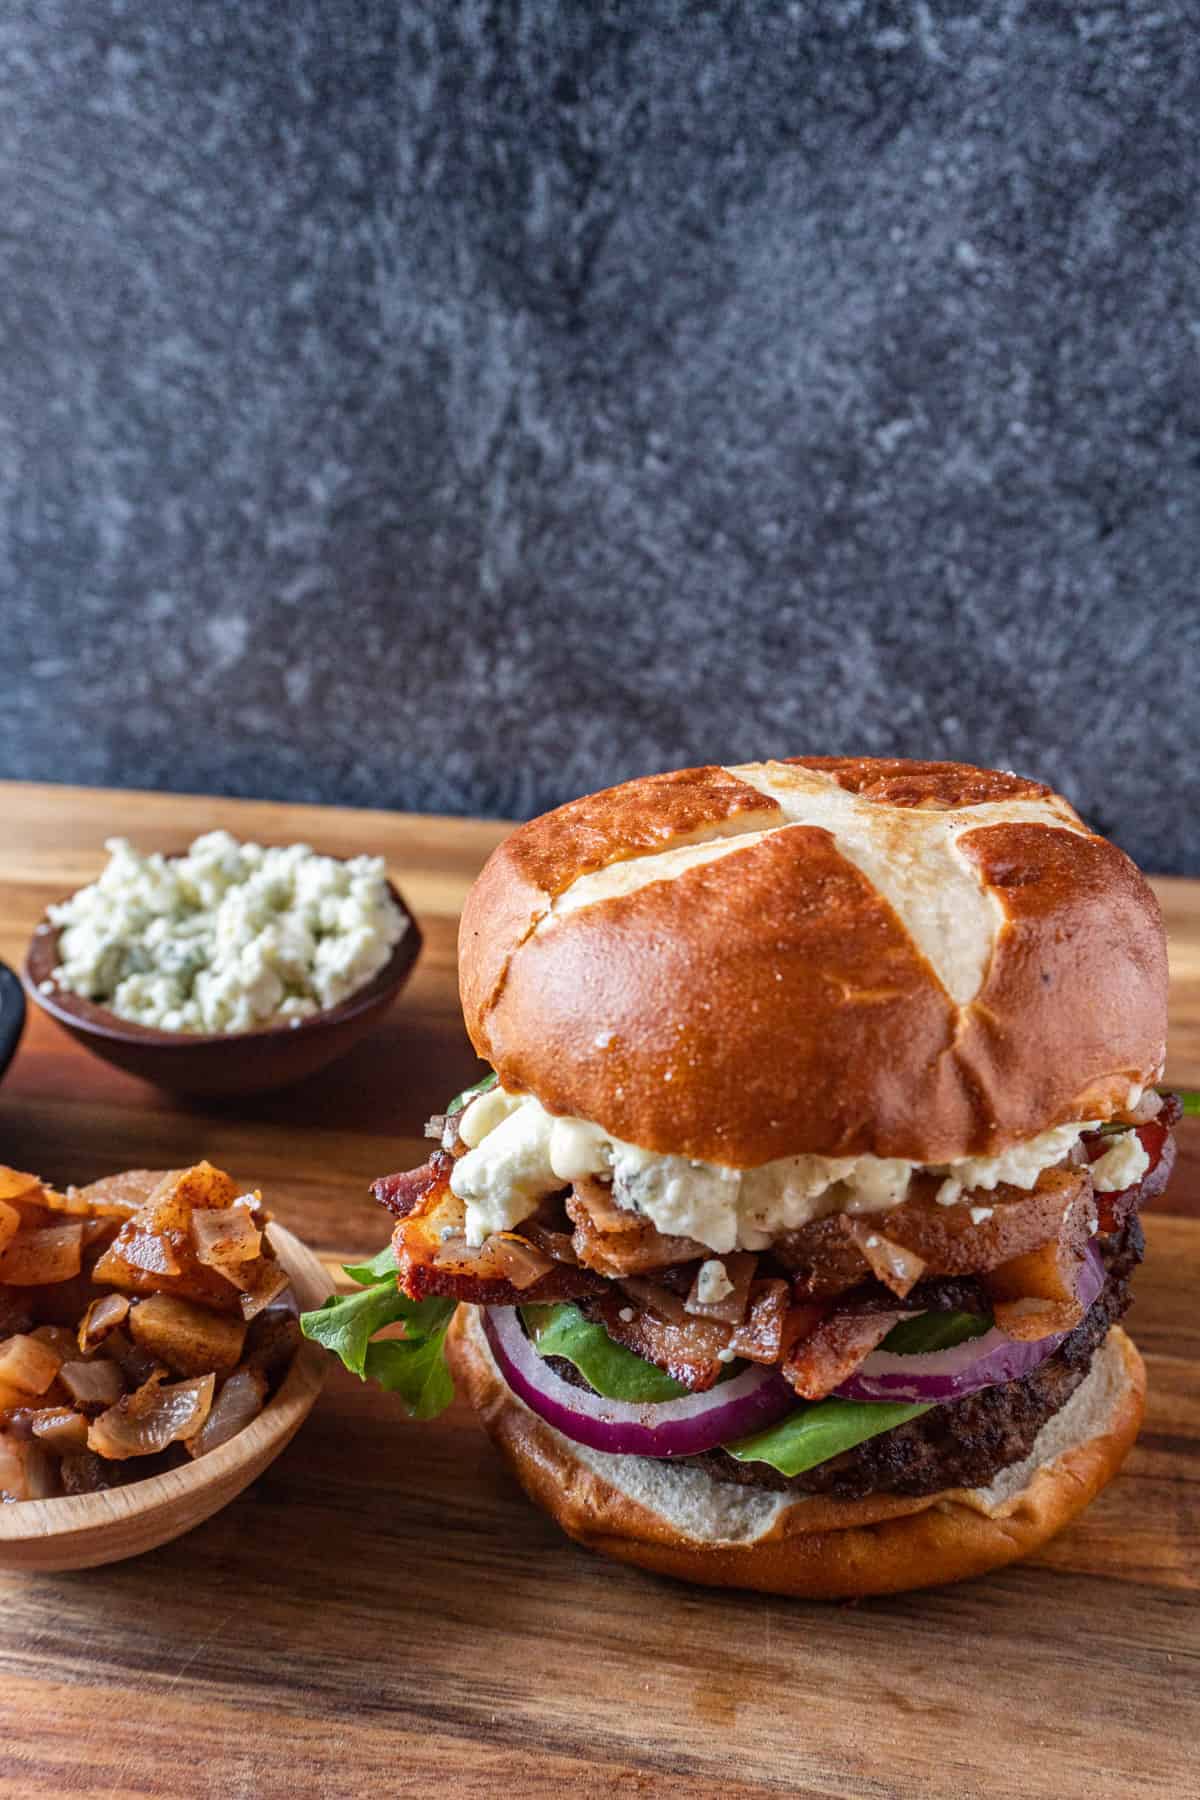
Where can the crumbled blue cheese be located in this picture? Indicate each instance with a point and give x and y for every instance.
(230, 937)
(519, 1153)
(1123, 1163)
(1021, 1164)
(712, 1282)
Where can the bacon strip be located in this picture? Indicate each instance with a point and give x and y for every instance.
(826, 1260)
(433, 1258)
(688, 1351)
(634, 1249)
(739, 1267)
(769, 1326)
(825, 1358)
(1031, 1318)
(420, 1276)
(403, 1194)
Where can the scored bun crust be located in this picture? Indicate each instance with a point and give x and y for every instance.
(758, 994)
(820, 1548)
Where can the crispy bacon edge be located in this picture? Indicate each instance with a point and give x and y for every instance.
(819, 1330)
(414, 1197)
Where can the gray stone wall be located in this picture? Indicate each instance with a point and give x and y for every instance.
(461, 406)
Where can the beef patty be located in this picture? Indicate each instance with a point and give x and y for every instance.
(963, 1443)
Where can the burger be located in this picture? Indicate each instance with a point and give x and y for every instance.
(783, 1246)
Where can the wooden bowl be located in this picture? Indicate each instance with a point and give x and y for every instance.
(80, 1531)
(12, 1015)
(221, 1063)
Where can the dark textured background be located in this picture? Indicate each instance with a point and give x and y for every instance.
(460, 406)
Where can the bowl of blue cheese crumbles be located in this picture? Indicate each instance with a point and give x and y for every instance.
(231, 967)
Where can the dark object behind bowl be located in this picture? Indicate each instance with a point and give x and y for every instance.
(249, 1062)
(12, 1015)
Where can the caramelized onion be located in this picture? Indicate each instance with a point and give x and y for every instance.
(190, 1339)
(15, 1184)
(623, 1243)
(101, 1319)
(60, 1429)
(83, 1472)
(28, 1363)
(59, 1338)
(225, 1237)
(240, 1400)
(14, 1313)
(261, 1286)
(10, 1223)
(49, 1253)
(92, 1385)
(145, 1250)
(273, 1339)
(144, 1423)
(658, 1298)
(1049, 1273)
(689, 1349)
(135, 1365)
(504, 1256)
(558, 1245)
(197, 1288)
(26, 1472)
(596, 1199)
(98, 1234)
(82, 1206)
(898, 1269)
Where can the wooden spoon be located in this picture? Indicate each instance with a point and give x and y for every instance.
(80, 1531)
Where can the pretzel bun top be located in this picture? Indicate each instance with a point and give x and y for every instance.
(837, 955)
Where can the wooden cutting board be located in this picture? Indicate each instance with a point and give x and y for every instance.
(383, 1613)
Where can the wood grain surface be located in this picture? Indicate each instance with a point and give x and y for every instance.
(383, 1613)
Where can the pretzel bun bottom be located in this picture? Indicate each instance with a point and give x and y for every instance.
(680, 1521)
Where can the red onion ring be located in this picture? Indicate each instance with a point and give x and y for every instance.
(683, 1427)
(940, 1375)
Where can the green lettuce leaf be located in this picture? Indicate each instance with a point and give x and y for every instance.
(415, 1369)
(413, 1366)
(613, 1371)
(380, 1268)
(812, 1434)
(935, 1331)
(468, 1094)
(1190, 1100)
(806, 1437)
